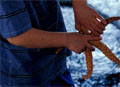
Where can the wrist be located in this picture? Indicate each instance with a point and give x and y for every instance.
(79, 3)
(66, 39)
(69, 37)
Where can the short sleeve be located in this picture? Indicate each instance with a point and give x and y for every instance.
(14, 18)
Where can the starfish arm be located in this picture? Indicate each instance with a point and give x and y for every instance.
(89, 63)
(88, 55)
(101, 46)
(112, 19)
(106, 51)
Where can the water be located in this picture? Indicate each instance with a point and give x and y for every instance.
(105, 72)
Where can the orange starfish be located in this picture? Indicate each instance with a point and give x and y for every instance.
(102, 47)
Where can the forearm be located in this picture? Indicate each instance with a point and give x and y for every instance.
(77, 3)
(35, 38)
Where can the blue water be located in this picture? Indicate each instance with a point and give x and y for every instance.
(105, 73)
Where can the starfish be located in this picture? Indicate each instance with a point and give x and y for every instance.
(101, 46)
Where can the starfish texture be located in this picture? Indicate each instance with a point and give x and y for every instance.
(101, 46)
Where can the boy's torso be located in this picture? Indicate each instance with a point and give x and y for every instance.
(17, 62)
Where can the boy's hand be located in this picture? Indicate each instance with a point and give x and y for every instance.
(86, 16)
(78, 43)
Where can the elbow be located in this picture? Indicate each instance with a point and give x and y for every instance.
(22, 40)
(15, 41)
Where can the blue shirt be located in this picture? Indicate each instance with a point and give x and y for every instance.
(21, 66)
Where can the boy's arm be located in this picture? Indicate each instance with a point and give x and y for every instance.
(86, 16)
(35, 38)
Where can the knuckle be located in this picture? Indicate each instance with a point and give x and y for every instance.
(97, 23)
(91, 29)
(99, 31)
(101, 25)
(95, 31)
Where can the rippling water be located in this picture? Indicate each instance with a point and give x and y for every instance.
(105, 73)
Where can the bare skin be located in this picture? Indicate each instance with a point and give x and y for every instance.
(43, 41)
(101, 46)
(73, 41)
(86, 16)
(59, 39)
(35, 38)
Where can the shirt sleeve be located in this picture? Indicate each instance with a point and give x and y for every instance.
(14, 18)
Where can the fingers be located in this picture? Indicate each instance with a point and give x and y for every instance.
(93, 38)
(77, 26)
(89, 47)
(101, 19)
(97, 27)
(98, 24)
(92, 29)
(97, 30)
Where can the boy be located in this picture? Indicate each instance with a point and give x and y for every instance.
(32, 32)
